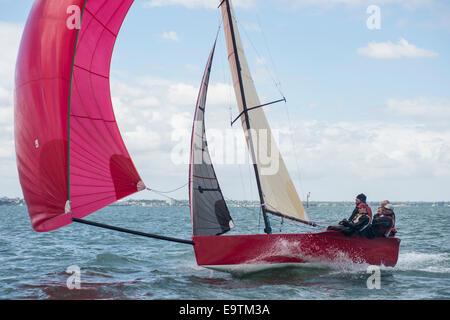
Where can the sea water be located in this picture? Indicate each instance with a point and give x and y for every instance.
(85, 262)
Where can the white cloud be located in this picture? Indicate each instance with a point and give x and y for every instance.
(170, 35)
(389, 50)
(420, 108)
(142, 138)
(181, 121)
(184, 94)
(374, 150)
(10, 34)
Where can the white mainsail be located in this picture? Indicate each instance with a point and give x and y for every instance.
(278, 191)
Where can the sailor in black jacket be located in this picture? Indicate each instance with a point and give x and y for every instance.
(383, 224)
(358, 224)
(360, 198)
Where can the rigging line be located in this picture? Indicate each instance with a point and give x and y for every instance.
(276, 212)
(295, 149)
(281, 215)
(164, 193)
(170, 191)
(277, 84)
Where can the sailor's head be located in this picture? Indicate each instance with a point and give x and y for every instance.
(384, 203)
(360, 198)
(388, 208)
(362, 208)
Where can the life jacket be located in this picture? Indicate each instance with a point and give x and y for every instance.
(386, 231)
(368, 214)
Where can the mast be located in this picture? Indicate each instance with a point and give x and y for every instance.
(267, 228)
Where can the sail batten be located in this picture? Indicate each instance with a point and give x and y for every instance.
(276, 187)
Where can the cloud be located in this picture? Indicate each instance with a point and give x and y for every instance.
(389, 50)
(185, 94)
(423, 108)
(170, 35)
(376, 150)
(10, 34)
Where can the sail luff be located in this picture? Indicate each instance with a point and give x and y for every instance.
(278, 191)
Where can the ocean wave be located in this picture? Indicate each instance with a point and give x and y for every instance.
(419, 261)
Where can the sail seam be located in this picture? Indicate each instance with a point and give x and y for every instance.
(101, 23)
(91, 72)
(92, 118)
(204, 177)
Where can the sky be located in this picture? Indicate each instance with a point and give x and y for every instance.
(366, 81)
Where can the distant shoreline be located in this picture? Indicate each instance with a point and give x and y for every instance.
(237, 203)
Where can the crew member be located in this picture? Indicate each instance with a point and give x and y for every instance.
(383, 224)
(358, 224)
(360, 198)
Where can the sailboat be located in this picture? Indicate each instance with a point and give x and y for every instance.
(72, 160)
(277, 194)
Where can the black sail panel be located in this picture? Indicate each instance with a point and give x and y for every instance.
(209, 212)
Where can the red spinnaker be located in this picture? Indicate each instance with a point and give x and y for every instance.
(67, 141)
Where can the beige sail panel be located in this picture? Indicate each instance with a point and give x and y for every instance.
(278, 190)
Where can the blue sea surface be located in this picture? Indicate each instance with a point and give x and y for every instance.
(114, 265)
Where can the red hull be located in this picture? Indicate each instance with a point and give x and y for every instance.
(229, 252)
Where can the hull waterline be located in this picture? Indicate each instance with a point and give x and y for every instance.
(256, 252)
